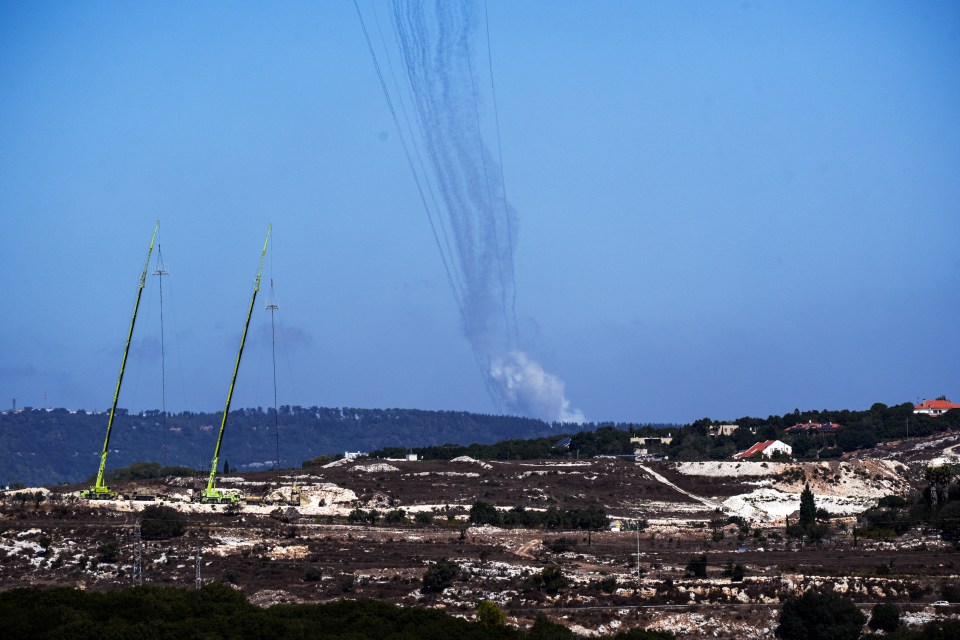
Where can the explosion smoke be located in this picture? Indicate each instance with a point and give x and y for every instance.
(438, 115)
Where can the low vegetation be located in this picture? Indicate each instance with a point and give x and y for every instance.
(219, 611)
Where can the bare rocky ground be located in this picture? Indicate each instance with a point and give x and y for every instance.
(309, 553)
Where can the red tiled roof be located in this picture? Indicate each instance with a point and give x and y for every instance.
(937, 404)
(813, 426)
(755, 449)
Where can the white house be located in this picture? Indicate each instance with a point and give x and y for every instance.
(766, 449)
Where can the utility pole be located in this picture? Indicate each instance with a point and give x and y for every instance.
(638, 550)
(137, 556)
(197, 561)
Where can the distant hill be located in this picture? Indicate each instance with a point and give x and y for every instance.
(39, 446)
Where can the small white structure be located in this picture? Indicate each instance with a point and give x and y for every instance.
(765, 449)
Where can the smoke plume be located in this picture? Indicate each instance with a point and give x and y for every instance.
(440, 91)
(531, 390)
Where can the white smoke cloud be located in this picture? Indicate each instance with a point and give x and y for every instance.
(527, 388)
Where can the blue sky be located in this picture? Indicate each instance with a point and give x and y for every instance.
(722, 209)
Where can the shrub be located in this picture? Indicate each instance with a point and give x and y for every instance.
(560, 545)
(439, 576)
(814, 616)
(161, 523)
(109, 552)
(490, 615)
(608, 584)
(550, 580)
(397, 516)
(357, 515)
(545, 629)
(735, 572)
(697, 567)
(484, 513)
(423, 517)
(885, 616)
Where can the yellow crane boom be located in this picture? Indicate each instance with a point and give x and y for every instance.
(99, 491)
(211, 494)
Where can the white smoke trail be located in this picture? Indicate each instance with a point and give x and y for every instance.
(461, 186)
(531, 390)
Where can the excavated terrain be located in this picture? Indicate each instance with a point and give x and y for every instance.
(310, 552)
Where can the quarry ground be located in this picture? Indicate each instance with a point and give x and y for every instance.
(309, 553)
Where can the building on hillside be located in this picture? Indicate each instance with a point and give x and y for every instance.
(723, 430)
(765, 449)
(813, 427)
(641, 450)
(934, 408)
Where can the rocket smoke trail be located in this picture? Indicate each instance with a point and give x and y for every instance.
(438, 110)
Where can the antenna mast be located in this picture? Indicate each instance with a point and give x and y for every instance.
(99, 491)
(160, 272)
(211, 493)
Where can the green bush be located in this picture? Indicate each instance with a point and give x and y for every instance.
(735, 572)
(550, 580)
(397, 516)
(440, 575)
(161, 523)
(885, 617)
(561, 545)
(697, 567)
(490, 615)
(545, 629)
(109, 552)
(484, 513)
(820, 616)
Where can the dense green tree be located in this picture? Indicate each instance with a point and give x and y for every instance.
(545, 629)
(109, 552)
(484, 513)
(396, 516)
(808, 508)
(948, 519)
(159, 522)
(440, 575)
(820, 616)
(884, 616)
(490, 615)
(550, 580)
(423, 517)
(697, 567)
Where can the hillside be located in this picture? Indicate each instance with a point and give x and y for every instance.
(374, 528)
(54, 446)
